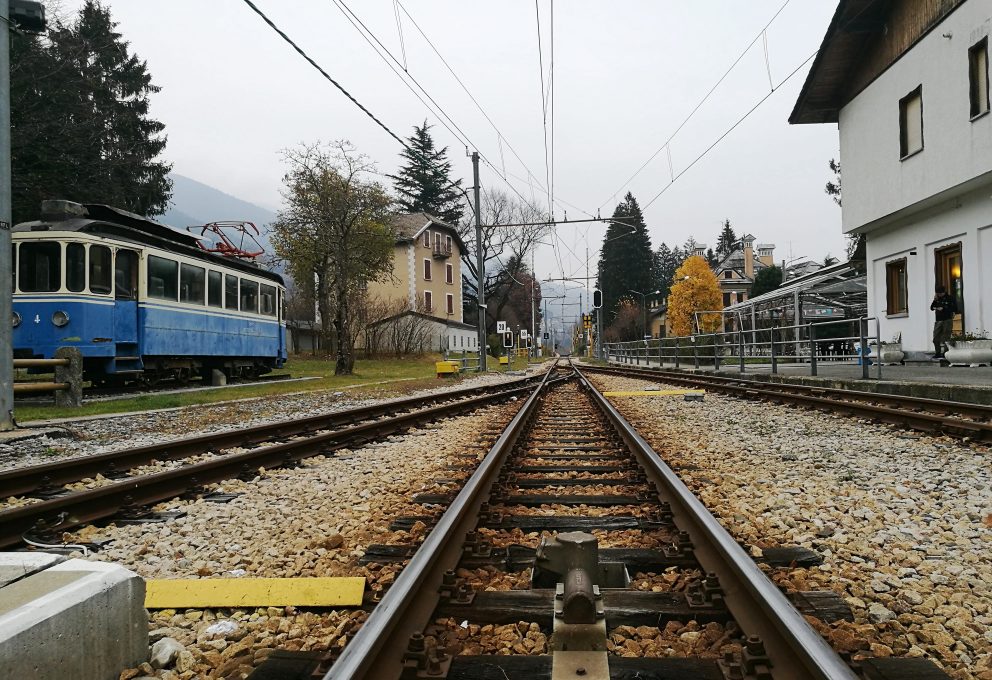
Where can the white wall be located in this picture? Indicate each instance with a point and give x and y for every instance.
(956, 149)
(968, 220)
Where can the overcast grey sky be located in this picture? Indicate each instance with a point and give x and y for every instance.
(626, 74)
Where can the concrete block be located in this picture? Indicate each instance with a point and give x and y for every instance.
(217, 378)
(77, 619)
(15, 566)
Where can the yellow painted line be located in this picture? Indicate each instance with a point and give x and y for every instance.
(655, 393)
(254, 592)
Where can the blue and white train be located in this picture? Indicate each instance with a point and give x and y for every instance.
(140, 300)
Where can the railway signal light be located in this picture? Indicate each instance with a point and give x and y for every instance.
(507, 338)
(597, 298)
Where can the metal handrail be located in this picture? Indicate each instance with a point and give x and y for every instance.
(772, 344)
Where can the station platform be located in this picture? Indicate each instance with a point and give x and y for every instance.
(69, 618)
(931, 381)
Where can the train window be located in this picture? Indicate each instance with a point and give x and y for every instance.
(215, 287)
(249, 296)
(13, 266)
(268, 299)
(101, 270)
(126, 275)
(75, 267)
(192, 283)
(163, 278)
(40, 268)
(230, 292)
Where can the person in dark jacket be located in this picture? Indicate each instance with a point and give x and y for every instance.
(944, 307)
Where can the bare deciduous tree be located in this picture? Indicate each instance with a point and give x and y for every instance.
(334, 230)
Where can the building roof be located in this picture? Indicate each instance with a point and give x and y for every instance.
(409, 226)
(864, 38)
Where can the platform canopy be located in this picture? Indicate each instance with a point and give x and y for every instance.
(835, 292)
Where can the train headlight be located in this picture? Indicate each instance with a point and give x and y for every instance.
(60, 318)
(16, 319)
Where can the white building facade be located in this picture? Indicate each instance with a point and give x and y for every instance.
(908, 86)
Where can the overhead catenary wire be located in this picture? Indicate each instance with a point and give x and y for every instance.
(729, 130)
(698, 106)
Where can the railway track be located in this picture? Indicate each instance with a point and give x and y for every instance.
(54, 508)
(957, 419)
(572, 502)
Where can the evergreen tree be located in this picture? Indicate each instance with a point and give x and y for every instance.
(424, 180)
(766, 280)
(625, 263)
(80, 120)
(726, 240)
(711, 259)
(666, 261)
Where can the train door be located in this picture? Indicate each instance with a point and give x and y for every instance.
(126, 303)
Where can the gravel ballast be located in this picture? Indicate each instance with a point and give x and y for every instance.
(903, 521)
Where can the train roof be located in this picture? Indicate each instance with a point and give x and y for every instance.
(105, 220)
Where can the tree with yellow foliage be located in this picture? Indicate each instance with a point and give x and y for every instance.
(695, 289)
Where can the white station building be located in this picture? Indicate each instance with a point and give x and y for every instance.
(907, 83)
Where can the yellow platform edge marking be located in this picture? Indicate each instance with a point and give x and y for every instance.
(254, 592)
(655, 393)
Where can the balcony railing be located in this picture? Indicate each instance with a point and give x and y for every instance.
(441, 252)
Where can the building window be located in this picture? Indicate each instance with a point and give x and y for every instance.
(449, 274)
(450, 303)
(911, 123)
(427, 270)
(728, 274)
(726, 299)
(427, 239)
(447, 243)
(437, 241)
(978, 73)
(895, 287)
(428, 301)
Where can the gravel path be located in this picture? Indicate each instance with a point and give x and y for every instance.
(100, 435)
(904, 522)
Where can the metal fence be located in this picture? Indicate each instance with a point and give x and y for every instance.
(810, 344)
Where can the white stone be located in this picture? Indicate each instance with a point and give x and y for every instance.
(164, 652)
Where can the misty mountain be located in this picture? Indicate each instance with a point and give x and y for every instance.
(195, 203)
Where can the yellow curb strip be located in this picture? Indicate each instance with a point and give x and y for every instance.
(254, 592)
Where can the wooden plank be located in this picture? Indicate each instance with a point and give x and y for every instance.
(902, 669)
(531, 500)
(623, 608)
(254, 592)
(621, 668)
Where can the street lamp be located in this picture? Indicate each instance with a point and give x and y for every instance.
(644, 305)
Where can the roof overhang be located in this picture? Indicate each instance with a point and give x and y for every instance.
(854, 24)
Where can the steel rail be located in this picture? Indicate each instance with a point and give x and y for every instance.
(82, 507)
(758, 606)
(26, 480)
(377, 650)
(852, 401)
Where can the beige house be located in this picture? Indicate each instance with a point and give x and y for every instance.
(737, 270)
(427, 275)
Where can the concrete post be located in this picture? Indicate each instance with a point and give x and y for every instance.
(480, 265)
(72, 375)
